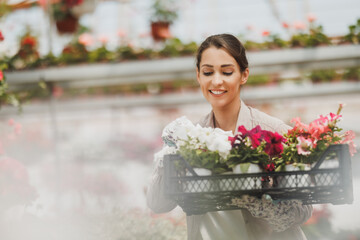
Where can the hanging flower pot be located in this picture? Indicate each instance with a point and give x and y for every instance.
(160, 30)
(68, 24)
(85, 7)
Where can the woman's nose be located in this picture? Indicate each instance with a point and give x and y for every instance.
(217, 80)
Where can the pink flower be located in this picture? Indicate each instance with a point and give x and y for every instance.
(11, 122)
(348, 138)
(311, 17)
(274, 143)
(17, 128)
(103, 39)
(250, 27)
(317, 130)
(86, 39)
(1, 75)
(304, 146)
(121, 33)
(299, 126)
(299, 25)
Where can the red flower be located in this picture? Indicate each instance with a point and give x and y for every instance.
(1, 37)
(31, 41)
(274, 146)
(1, 75)
(270, 167)
(232, 140)
(285, 25)
(265, 33)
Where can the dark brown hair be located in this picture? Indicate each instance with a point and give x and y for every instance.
(230, 43)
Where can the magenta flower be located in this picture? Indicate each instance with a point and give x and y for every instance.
(274, 143)
(255, 135)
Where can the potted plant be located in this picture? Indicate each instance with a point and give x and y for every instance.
(66, 21)
(164, 14)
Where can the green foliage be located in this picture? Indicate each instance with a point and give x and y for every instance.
(164, 11)
(258, 79)
(316, 37)
(73, 53)
(352, 73)
(7, 97)
(244, 154)
(201, 158)
(354, 33)
(323, 75)
(275, 42)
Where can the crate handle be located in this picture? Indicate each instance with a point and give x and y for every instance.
(333, 148)
(187, 165)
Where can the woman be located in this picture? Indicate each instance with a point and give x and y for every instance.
(222, 68)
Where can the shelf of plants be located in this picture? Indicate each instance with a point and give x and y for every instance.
(328, 181)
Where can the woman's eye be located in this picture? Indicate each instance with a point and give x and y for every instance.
(207, 73)
(227, 73)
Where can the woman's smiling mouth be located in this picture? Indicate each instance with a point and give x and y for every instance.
(217, 92)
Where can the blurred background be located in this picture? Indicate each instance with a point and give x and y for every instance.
(86, 87)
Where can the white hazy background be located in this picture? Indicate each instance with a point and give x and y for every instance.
(90, 167)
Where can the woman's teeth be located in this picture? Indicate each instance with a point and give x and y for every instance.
(217, 92)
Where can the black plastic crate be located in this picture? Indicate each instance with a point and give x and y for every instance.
(328, 181)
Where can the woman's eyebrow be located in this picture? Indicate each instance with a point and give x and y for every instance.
(227, 65)
(224, 65)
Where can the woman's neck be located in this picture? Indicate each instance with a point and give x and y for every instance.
(226, 118)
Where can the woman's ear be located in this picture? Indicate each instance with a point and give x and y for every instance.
(244, 76)
(197, 75)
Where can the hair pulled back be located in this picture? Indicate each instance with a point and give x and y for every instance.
(230, 43)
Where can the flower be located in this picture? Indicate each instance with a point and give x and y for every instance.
(86, 39)
(1, 37)
(28, 41)
(265, 33)
(285, 25)
(349, 136)
(274, 143)
(1, 75)
(201, 146)
(218, 150)
(311, 17)
(304, 146)
(299, 25)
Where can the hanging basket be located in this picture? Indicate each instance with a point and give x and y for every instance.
(69, 24)
(160, 30)
(87, 6)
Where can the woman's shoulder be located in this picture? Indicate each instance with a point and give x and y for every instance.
(206, 121)
(267, 122)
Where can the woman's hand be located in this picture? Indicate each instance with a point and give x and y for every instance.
(279, 214)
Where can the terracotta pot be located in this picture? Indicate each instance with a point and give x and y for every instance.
(160, 31)
(67, 25)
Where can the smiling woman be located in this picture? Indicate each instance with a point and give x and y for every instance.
(222, 69)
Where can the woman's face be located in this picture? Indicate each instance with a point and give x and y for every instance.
(220, 78)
